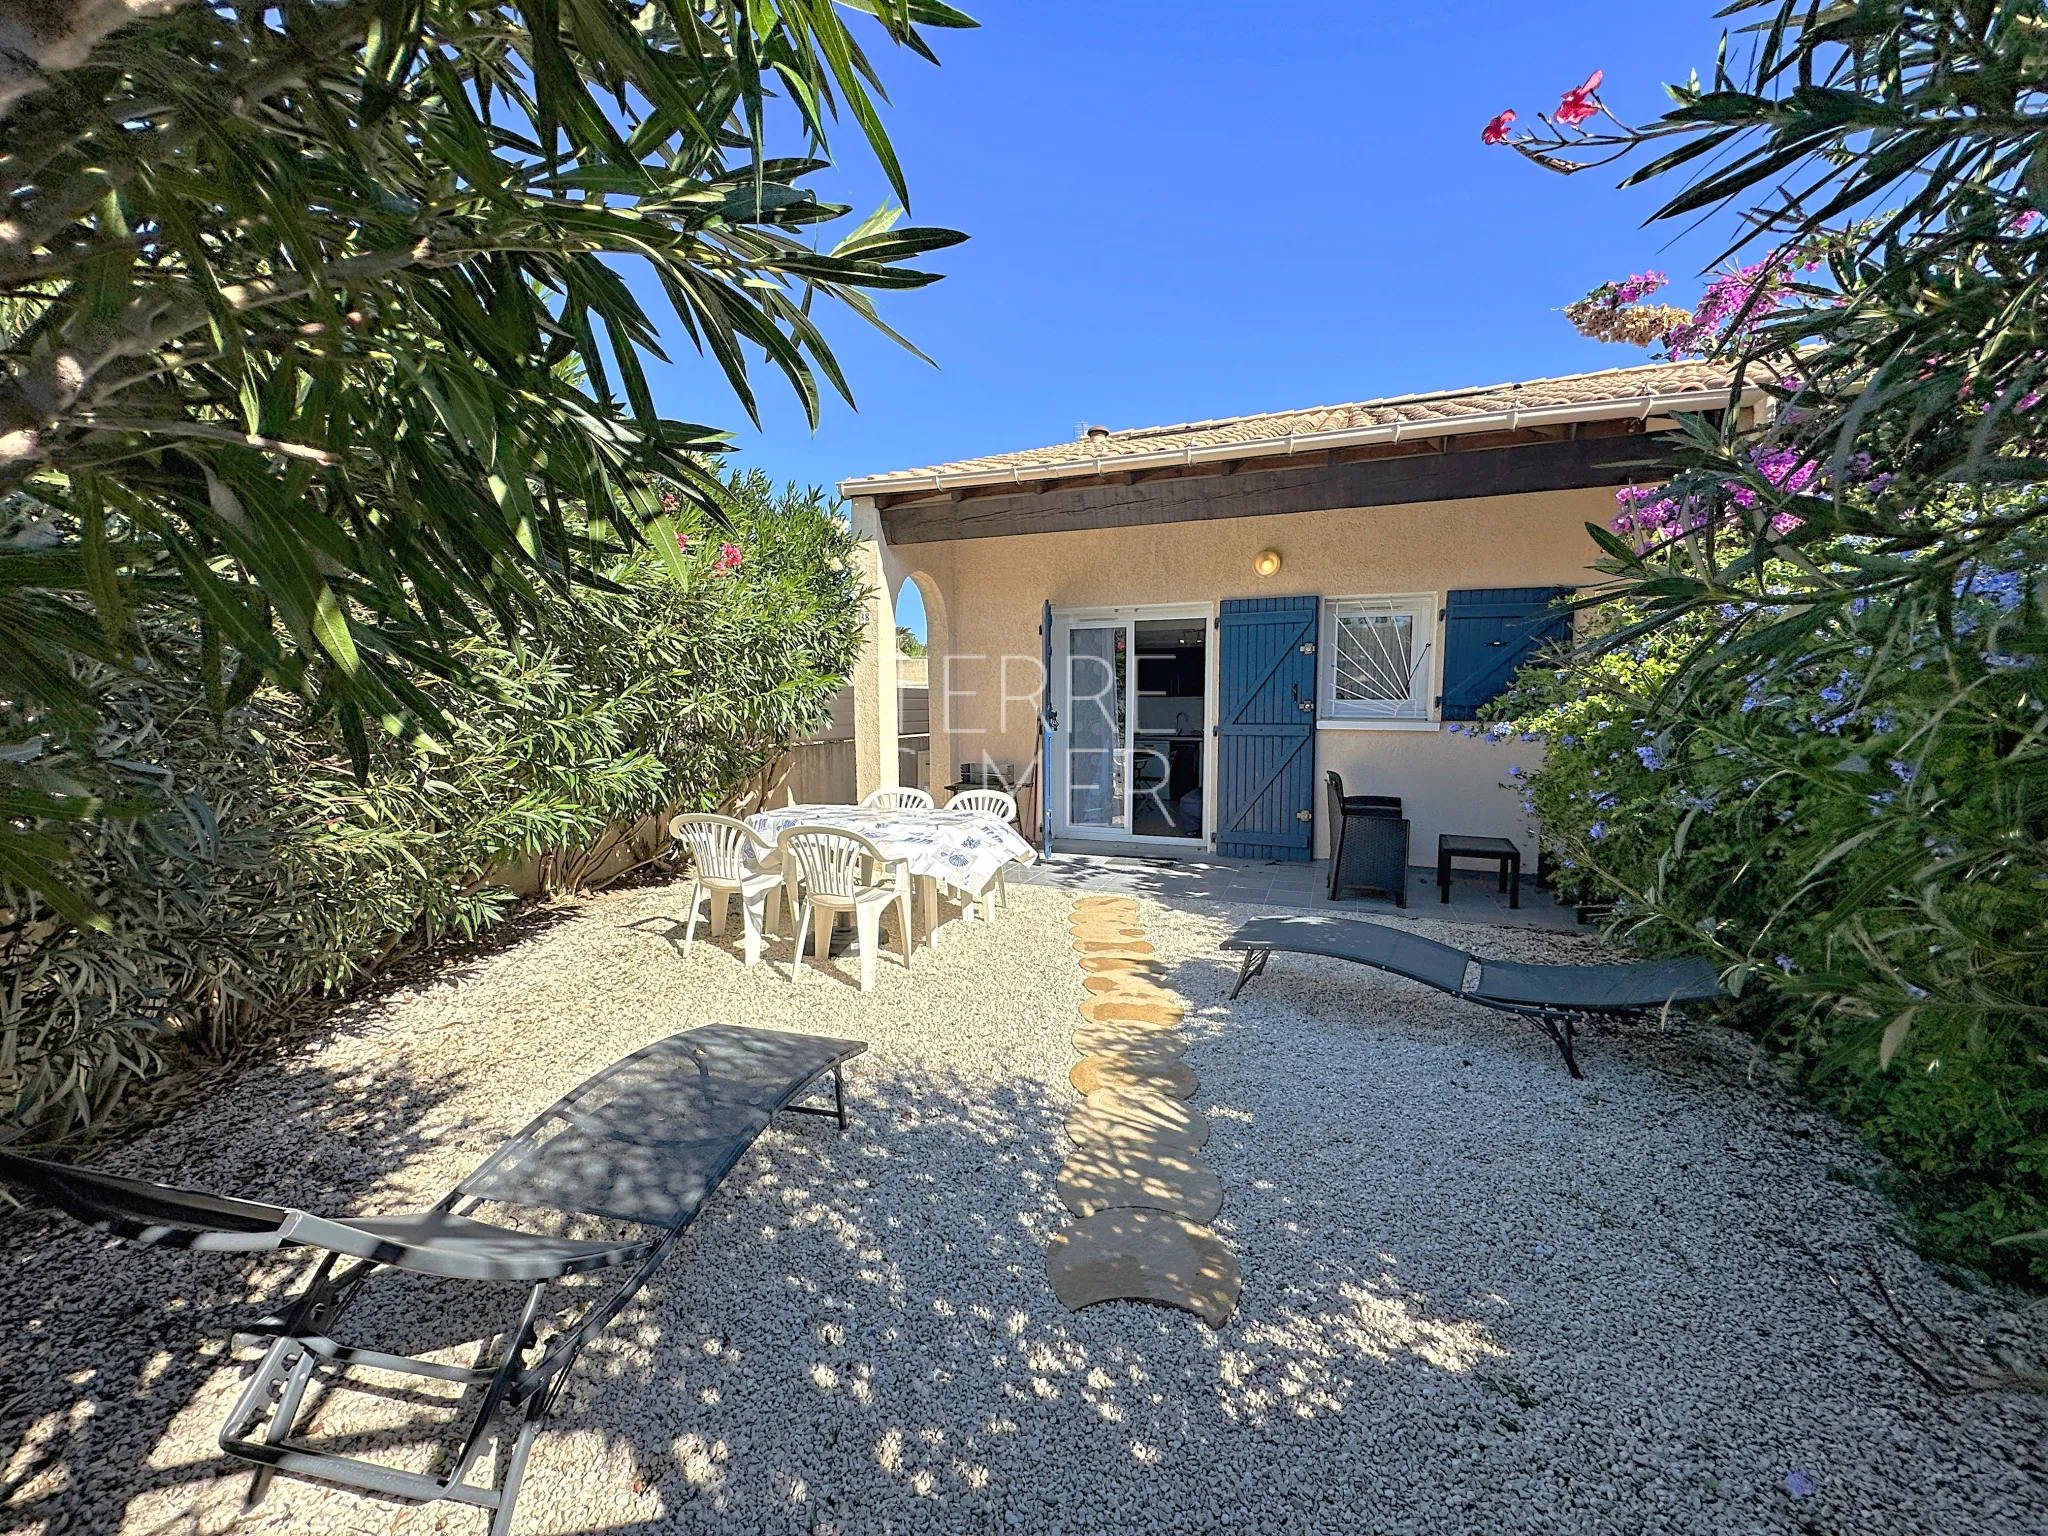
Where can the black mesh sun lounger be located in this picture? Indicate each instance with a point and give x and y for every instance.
(643, 1143)
(1556, 997)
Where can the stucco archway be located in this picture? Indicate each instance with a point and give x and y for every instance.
(937, 641)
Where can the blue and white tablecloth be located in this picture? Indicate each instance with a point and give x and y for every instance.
(964, 849)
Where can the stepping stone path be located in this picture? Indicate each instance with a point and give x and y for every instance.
(1134, 1180)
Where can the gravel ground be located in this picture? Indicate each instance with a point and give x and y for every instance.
(1478, 1295)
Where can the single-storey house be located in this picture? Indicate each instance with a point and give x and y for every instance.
(1171, 633)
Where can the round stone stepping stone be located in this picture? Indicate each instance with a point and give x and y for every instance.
(1123, 965)
(1134, 1042)
(1174, 1079)
(1123, 1178)
(1131, 1117)
(1139, 1255)
(1106, 933)
(1134, 988)
(1122, 1010)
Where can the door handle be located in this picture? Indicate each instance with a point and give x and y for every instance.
(1304, 815)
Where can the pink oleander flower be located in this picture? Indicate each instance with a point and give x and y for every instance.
(683, 542)
(729, 558)
(1496, 132)
(1580, 102)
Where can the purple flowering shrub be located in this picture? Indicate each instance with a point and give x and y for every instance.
(1858, 835)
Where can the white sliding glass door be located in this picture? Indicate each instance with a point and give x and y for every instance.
(1118, 774)
(1094, 739)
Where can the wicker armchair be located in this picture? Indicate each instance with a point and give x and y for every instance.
(1368, 843)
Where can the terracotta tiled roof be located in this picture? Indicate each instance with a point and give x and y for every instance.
(1444, 407)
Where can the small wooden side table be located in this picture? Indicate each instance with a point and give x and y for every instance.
(1500, 850)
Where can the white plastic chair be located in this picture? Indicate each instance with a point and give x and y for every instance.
(728, 858)
(898, 799)
(842, 871)
(989, 802)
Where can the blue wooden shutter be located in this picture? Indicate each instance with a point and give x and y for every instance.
(1046, 726)
(1266, 728)
(1489, 634)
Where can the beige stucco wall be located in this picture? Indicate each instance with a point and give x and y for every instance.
(983, 598)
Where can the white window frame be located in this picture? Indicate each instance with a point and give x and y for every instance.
(1417, 711)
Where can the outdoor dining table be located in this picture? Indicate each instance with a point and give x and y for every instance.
(962, 849)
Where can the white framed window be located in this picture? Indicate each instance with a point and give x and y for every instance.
(1378, 657)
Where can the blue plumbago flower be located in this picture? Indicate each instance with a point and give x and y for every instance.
(1606, 802)
(1883, 723)
(1567, 741)
(1517, 771)
(1651, 758)
(1748, 785)
(1916, 993)
(1883, 797)
(1902, 771)
(1786, 964)
(1597, 831)
(1800, 1483)
(1750, 701)
(2004, 590)
(1532, 735)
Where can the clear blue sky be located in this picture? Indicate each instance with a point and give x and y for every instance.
(1185, 208)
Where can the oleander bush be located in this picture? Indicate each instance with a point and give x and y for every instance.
(258, 868)
(1857, 839)
(1806, 735)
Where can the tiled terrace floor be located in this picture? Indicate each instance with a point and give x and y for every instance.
(1475, 894)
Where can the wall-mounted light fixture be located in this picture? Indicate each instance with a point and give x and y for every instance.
(1267, 562)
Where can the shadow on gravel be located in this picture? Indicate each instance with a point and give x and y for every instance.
(102, 1345)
